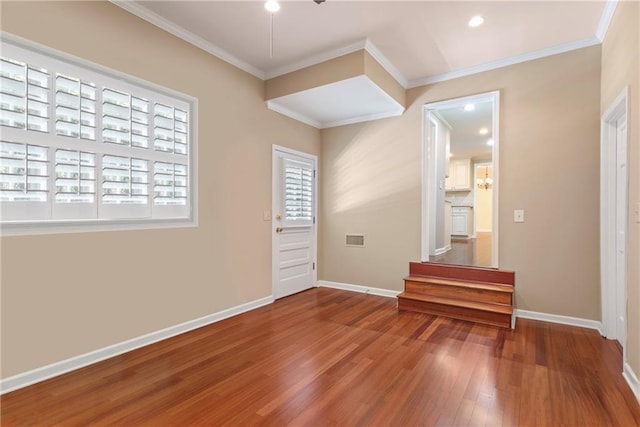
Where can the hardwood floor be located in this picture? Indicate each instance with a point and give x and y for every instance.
(475, 252)
(331, 357)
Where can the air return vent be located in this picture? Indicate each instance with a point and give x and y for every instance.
(355, 240)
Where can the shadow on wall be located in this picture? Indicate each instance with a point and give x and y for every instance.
(370, 171)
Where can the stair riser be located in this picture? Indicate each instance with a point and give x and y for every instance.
(470, 294)
(461, 313)
(462, 273)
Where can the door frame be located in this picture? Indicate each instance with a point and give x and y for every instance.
(611, 288)
(274, 182)
(429, 185)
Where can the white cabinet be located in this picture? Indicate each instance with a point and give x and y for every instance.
(461, 221)
(459, 175)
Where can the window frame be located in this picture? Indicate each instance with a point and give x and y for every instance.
(59, 62)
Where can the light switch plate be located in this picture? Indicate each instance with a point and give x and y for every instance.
(266, 215)
(518, 215)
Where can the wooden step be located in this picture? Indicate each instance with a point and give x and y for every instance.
(479, 312)
(462, 272)
(460, 289)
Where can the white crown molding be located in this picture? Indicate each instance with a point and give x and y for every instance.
(563, 320)
(274, 106)
(357, 288)
(180, 32)
(315, 59)
(385, 63)
(517, 59)
(632, 379)
(365, 118)
(155, 19)
(605, 19)
(58, 368)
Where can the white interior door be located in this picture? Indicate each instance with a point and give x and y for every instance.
(294, 221)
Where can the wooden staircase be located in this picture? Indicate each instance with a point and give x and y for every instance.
(481, 295)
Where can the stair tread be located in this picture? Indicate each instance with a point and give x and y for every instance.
(492, 307)
(500, 287)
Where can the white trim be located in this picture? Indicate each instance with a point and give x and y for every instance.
(27, 228)
(605, 19)
(180, 32)
(385, 63)
(607, 216)
(428, 176)
(58, 368)
(357, 288)
(556, 318)
(365, 118)
(512, 60)
(440, 251)
(316, 59)
(274, 106)
(632, 379)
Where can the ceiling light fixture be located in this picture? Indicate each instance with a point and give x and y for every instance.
(476, 21)
(272, 6)
(469, 107)
(487, 182)
(484, 131)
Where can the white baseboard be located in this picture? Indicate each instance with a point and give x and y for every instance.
(58, 368)
(632, 379)
(357, 288)
(564, 320)
(443, 250)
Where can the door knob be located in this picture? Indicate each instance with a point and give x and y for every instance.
(279, 230)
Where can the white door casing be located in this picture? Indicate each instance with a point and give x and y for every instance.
(614, 181)
(429, 182)
(294, 229)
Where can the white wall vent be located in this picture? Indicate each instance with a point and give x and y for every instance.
(356, 240)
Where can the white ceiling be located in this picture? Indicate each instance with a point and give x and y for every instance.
(417, 42)
(420, 39)
(466, 141)
(348, 101)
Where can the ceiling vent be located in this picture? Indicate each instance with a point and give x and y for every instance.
(356, 240)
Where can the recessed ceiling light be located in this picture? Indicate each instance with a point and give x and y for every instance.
(476, 21)
(484, 131)
(490, 142)
(272, 6)
(469, 107)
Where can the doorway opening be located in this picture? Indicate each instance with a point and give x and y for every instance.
(614, 182)
(459, 136)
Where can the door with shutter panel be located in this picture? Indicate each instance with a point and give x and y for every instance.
(294, 222)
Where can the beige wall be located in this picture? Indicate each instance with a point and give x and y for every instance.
(67, 294)
(620, 68)
(549, 116)
(484, 201)
(335, 70)
(383, 79)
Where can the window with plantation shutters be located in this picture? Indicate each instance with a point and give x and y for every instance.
(298, 193)
(84, 143)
